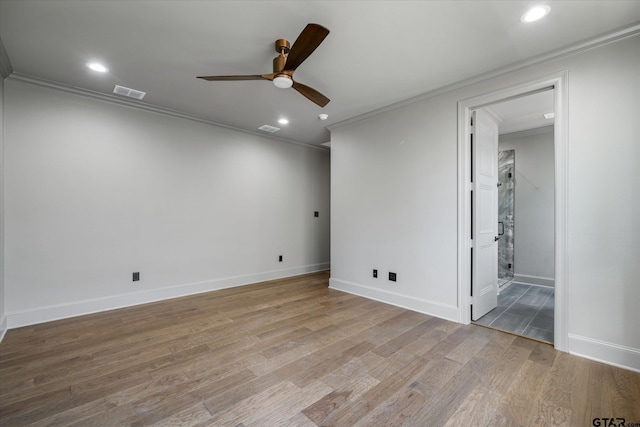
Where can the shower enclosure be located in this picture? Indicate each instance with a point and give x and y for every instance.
(506, 189)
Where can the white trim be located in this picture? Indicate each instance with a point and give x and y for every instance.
(79, 308)
(605, 352)
(561, 155)
(139, 105)
(559, 82)
(593, 43)
(3, 326)
(5, 64)
(534, 280)
(494, 114)
(443, 311)
(527, 132)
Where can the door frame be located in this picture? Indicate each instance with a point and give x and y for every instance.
(559, 82)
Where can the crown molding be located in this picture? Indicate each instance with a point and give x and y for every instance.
(138, 105)
(528, 132)
(5, 65)
(493, 113)
(592, 43)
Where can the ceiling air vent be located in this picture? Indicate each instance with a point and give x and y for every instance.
(268, 128)
(131, 93)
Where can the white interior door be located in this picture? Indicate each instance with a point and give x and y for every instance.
(484, 276)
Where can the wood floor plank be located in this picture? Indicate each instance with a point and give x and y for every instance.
(437, 374)
(499, 342)
(349, 382)
(516, 405)
(627, 394)
(112, 417)
(449, 397)
(188, 417)
(225, 399)
(278, 413)
(566, 382)
(292, 352)
(467, 350)
(544, 354)
(550, 414)
(407, 337)
(247, 410)
(351, 413)
(479, 409)
(395, 409)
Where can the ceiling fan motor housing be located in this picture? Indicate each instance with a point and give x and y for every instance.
(278, 63)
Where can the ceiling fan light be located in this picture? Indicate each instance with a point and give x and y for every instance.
(283, 82)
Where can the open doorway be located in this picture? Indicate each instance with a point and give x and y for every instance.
(466, 244)
(525, 216)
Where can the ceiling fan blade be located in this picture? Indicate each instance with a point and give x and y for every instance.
(311, 94)
(308, 40)
(234, 78)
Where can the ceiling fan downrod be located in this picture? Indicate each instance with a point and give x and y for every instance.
(282, 47)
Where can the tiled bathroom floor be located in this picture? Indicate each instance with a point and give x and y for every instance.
(525, 310)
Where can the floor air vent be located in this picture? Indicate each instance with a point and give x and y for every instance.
(131, 93)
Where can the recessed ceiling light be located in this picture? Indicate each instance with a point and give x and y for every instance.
(96, 66)
(535, 13)
(323, 116)
(283, 121)
(549, 115)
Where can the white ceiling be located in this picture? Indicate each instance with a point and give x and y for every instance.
(524, 113)
(378, 52)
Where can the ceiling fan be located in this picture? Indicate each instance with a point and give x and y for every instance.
(290, 58)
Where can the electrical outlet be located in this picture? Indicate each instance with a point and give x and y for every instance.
(392, 276)
(375, 273)
(316, 214)
(280, 258)
(136, 276)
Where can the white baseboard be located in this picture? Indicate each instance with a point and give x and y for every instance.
(3, 326)
(79, 308)
(605, 352)
(534, 280)
(444, 311)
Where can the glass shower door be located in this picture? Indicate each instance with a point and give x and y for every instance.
(506, 199)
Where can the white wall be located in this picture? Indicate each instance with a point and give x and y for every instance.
(393, 208)
(394, 186)
(96, 191)
(533, 204)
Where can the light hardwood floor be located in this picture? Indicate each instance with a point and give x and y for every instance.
(292, 352)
